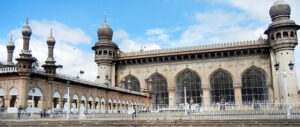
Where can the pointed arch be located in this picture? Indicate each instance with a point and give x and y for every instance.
(254, 85)
(159, 88)
(131, 82)
(221, 87)
(192, 81)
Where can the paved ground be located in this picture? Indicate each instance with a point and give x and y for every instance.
(152, 123)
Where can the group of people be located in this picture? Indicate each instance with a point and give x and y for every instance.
(43, 113)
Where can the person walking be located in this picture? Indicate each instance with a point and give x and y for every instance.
(20, 111)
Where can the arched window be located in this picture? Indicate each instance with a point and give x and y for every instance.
(278, 36)
(131, 83)
(159, 89)
(285, 34)
(272, 37)
(221, 89)
(193, 88)
(35, 98)
(292, 34)
(254, 86)
(100, 52)
(110, 53)
(104, 52)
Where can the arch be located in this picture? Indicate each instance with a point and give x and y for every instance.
(272, 37)
(102, 100)
(285, 34)
(193, 87)
(278, 35)
(82, 98)
(292, 34)
(75, 97)
(2, 92)
(37, 92)
(100, 52)
(56, 95)
(97, 99)
(91, 98)
(110, 53)
(104, 52)
(130, 82)
(184, 70)
(221, 87)
(254, 85)
(13, 92)
(159, 89)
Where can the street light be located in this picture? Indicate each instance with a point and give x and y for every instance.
(284, 74)
(33, 91)
(68, 99)
(185, 101)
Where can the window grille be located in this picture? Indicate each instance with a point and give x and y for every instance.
(254, 86)
(159, 91)
(221, 88)
(131, 83)
(193, 88)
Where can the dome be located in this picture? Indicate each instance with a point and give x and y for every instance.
(26, 29)
(280, 9)
(105, 31)
(10, 45)
(51, 41)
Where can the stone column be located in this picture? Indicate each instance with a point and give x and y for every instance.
(6, 101)
(238, 94)
(171, 97)
(206, 96)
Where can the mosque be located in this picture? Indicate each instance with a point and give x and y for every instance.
(236, 73)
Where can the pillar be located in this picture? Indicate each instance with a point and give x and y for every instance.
(238, 94)
(171, 97)
(206, 97)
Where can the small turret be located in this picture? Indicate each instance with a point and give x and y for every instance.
(49, 65)
(25, 60)
(10, 50)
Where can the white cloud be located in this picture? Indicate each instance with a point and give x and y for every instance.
(61, 32)
(72, 58)
(120, 35)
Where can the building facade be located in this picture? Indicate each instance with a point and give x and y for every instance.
(238, 73)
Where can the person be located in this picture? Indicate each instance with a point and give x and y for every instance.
(20, 111)
(134, 113)
(222, 104)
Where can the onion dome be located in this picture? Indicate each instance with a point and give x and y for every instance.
(26, 29)
(105, 31)
(10, 45)
(51, 41)
(280, 9)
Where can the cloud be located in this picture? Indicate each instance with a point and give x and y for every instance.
(73, 59)
(61, 32)
(120, 35)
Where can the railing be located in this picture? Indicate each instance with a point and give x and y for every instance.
(72, 78)
(259, 111)
(192, 48)
(8, 69)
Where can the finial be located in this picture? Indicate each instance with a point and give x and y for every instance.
(104, 18)
(11, 38)
(51, 32)
(27, 20)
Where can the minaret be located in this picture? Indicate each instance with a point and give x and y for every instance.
(282, 36)
(10, 50)
(105, 53)
(49, 65)
(25, 60)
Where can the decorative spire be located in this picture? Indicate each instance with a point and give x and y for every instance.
(27, 20)
(51, 32)
(11, 38)
(105, 19)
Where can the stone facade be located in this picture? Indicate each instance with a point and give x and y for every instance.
(236, 73)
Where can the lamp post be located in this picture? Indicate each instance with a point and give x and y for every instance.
(284, 74)
(33, 91)
(185, 101)
(68, 99)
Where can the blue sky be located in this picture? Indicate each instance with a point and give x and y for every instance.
(149, 24)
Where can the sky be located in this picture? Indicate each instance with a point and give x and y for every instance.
(147, 24)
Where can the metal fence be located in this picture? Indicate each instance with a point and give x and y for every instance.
(254, 111)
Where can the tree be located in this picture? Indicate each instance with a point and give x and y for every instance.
(1, 64)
